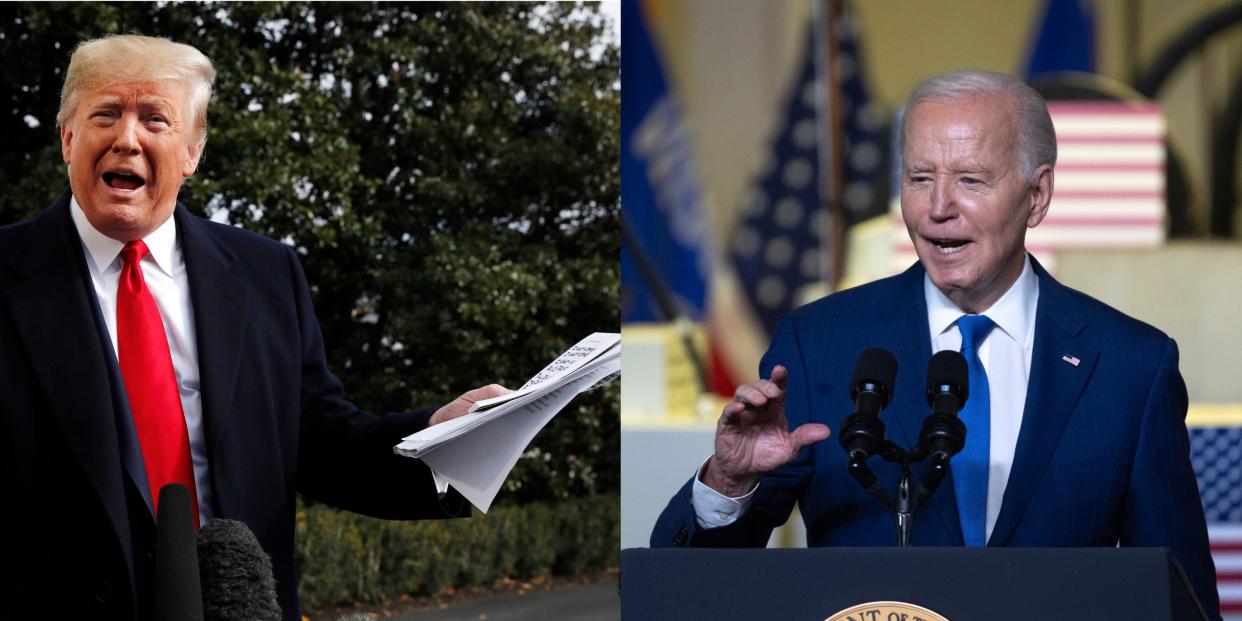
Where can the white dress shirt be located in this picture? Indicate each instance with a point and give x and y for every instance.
(1006, 356)
(163, 269)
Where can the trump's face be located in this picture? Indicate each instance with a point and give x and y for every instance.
(964, 199)
(129, 145)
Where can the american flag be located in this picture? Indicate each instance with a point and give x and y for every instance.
(778, 251)
(1216, 453)
(1109, 184)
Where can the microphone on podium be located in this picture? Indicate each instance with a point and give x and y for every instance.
(943, 434)
(862, 433)
(177, 593)
(948, 386)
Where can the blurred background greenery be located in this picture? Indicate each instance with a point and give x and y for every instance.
(447, 172)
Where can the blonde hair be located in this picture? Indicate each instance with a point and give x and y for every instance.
(134, 58)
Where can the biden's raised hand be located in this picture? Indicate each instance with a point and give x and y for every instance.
(753, 436)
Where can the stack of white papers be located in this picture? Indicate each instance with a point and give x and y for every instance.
(474, 453)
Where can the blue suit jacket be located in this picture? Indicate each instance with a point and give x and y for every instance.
(1102, 454)
(76, 529)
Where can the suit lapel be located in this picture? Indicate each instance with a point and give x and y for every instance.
(910, 342)
(220, 313)
(1052, 392)
(56, 324)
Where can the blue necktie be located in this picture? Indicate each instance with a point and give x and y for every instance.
(970, 467)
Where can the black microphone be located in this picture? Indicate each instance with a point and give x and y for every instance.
(177, 595)
(948, 385)
(237, 574)
(862, 433)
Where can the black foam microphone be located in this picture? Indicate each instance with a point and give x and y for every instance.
(948, 386)
(237, 573)
(862, 433)
(177, 594)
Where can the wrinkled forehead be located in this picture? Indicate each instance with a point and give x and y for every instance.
(975, 123)
(173, 94)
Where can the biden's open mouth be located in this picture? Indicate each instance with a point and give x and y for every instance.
(949, 246)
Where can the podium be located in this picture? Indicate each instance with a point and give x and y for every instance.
(960, 584)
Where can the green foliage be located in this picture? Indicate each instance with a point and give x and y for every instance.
(449, 174)
(346, 558)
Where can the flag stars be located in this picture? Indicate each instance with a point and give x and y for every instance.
(779, 245)
(746, 242)
(858, 195)
(811, 93)
(779, 253)
(819, 224)
(1215, 453)
(797, 174)
(871, 117)
(806, 134)
(771, 291)
(810, 265)
(788, 213)
(865, 158)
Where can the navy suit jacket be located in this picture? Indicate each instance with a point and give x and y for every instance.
(1102, 455)
(76, 530)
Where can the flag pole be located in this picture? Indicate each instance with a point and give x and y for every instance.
(665, 299)
(827, 13)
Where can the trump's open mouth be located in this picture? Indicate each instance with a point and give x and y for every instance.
(123, 180)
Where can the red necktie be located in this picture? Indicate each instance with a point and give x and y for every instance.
(146, 367)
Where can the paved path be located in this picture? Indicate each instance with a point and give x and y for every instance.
(593, 602)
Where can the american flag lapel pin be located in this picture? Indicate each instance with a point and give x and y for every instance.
(1071, 359)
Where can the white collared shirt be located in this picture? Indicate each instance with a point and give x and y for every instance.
(1006, 356)
(163, 269)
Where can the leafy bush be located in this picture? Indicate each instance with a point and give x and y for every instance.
(346, 558)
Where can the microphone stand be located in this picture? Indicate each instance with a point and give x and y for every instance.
(908, 499)
(942, 436)
(904, 513)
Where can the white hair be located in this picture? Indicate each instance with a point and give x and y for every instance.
(1037, 140)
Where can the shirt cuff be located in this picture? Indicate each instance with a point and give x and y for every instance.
(713, 509)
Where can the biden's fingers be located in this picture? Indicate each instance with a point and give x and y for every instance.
(809, 434)
(780, 377)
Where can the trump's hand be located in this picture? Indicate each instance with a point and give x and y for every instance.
(753, 437)
(461, 405)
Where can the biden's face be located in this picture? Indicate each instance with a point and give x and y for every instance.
(964, 199)
(129, 146)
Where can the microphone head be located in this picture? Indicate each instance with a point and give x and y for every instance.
(946, 372)
(177, 594)
(876, 370)
(236, 573)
